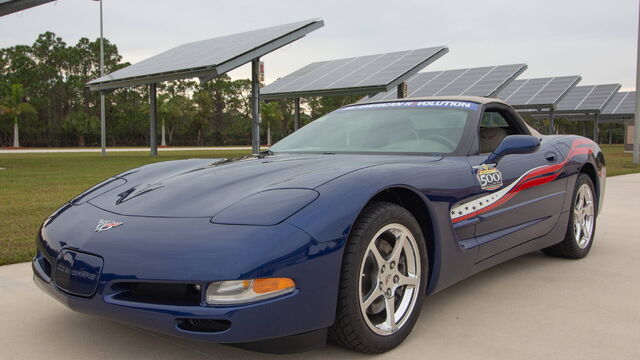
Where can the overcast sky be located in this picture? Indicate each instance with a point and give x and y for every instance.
(592, 38)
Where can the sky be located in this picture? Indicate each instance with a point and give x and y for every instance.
(594, 39)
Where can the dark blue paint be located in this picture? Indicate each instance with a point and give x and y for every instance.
(287, 215)
(251, 210)
(527, 206)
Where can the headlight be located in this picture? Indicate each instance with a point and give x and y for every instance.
(246, 291)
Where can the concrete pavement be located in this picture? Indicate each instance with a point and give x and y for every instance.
(533, 307)
(119, 149)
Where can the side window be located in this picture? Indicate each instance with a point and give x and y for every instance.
(494, 126)
(493, 119)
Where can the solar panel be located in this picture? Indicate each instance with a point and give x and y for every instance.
(481, 81)
(12, 6)
(356, 75)
(622, 103)
(539, 92)
(207, 58)
(587, 98)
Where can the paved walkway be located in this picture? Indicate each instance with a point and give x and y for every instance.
(533, 307)
(94, 150)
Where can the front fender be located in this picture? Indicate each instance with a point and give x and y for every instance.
(331, 217)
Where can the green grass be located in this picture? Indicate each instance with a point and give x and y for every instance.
(618, 162)
(34, 185)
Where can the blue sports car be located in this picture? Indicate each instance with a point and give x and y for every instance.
(340, 230)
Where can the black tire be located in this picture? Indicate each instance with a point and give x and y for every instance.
(568, 248)
(350, 329)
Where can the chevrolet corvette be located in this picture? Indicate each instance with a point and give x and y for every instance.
(338, 231)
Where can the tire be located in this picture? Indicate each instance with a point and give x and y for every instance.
(582, 222)
(375, 268)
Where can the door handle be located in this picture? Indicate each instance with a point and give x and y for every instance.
(551, 156)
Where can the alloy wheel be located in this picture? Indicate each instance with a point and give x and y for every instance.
(389, 282)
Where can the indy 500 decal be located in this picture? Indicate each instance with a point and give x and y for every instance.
(534, 177)
(488, 176)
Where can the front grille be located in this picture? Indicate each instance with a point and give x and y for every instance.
(158, 293)
(203, 325)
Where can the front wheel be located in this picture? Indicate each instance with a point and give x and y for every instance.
(582, 223)
(383, 279)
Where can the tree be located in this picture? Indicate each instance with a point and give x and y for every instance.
(320, 106)
(170, 110)
(54, 75)
(272, 118)
(79, 124)
(14, 107)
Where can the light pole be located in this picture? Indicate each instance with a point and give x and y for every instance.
(103, 123)
(636, 126)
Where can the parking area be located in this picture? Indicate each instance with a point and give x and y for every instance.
(533, 307)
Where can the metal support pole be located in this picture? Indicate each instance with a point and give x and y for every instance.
(552, 129)
(595, 128)
(610, 131)
(636, 117)
(103, 127)
(296, 116)
(103, 121)
(402, 90)
(255, 104)
(153, 120)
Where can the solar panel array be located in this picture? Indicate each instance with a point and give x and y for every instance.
(588, 98)
(362, 74)
(622, 103)
(480, 81)
(537, 92)
(208, 55)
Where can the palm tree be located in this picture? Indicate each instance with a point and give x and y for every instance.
(14, 106)
(170, 109)
(79, 123)
(270, 113)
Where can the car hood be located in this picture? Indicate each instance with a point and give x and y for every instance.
(204, 187)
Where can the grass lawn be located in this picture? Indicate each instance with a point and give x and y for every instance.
(34, 185)
(618, 162)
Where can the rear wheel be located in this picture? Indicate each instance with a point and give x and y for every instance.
(582, 223)
(383, 279)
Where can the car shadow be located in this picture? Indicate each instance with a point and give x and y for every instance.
(121, 339)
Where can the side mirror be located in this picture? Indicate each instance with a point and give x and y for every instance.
(514, 144)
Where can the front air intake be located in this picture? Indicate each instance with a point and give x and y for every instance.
(158, 293)
(203, 325)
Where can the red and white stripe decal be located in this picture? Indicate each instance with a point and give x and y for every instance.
(534, 177)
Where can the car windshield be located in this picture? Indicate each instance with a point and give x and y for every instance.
(394, 127)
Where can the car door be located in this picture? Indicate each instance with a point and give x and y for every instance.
(526, 200)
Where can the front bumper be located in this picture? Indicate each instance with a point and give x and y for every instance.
(194, 251)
